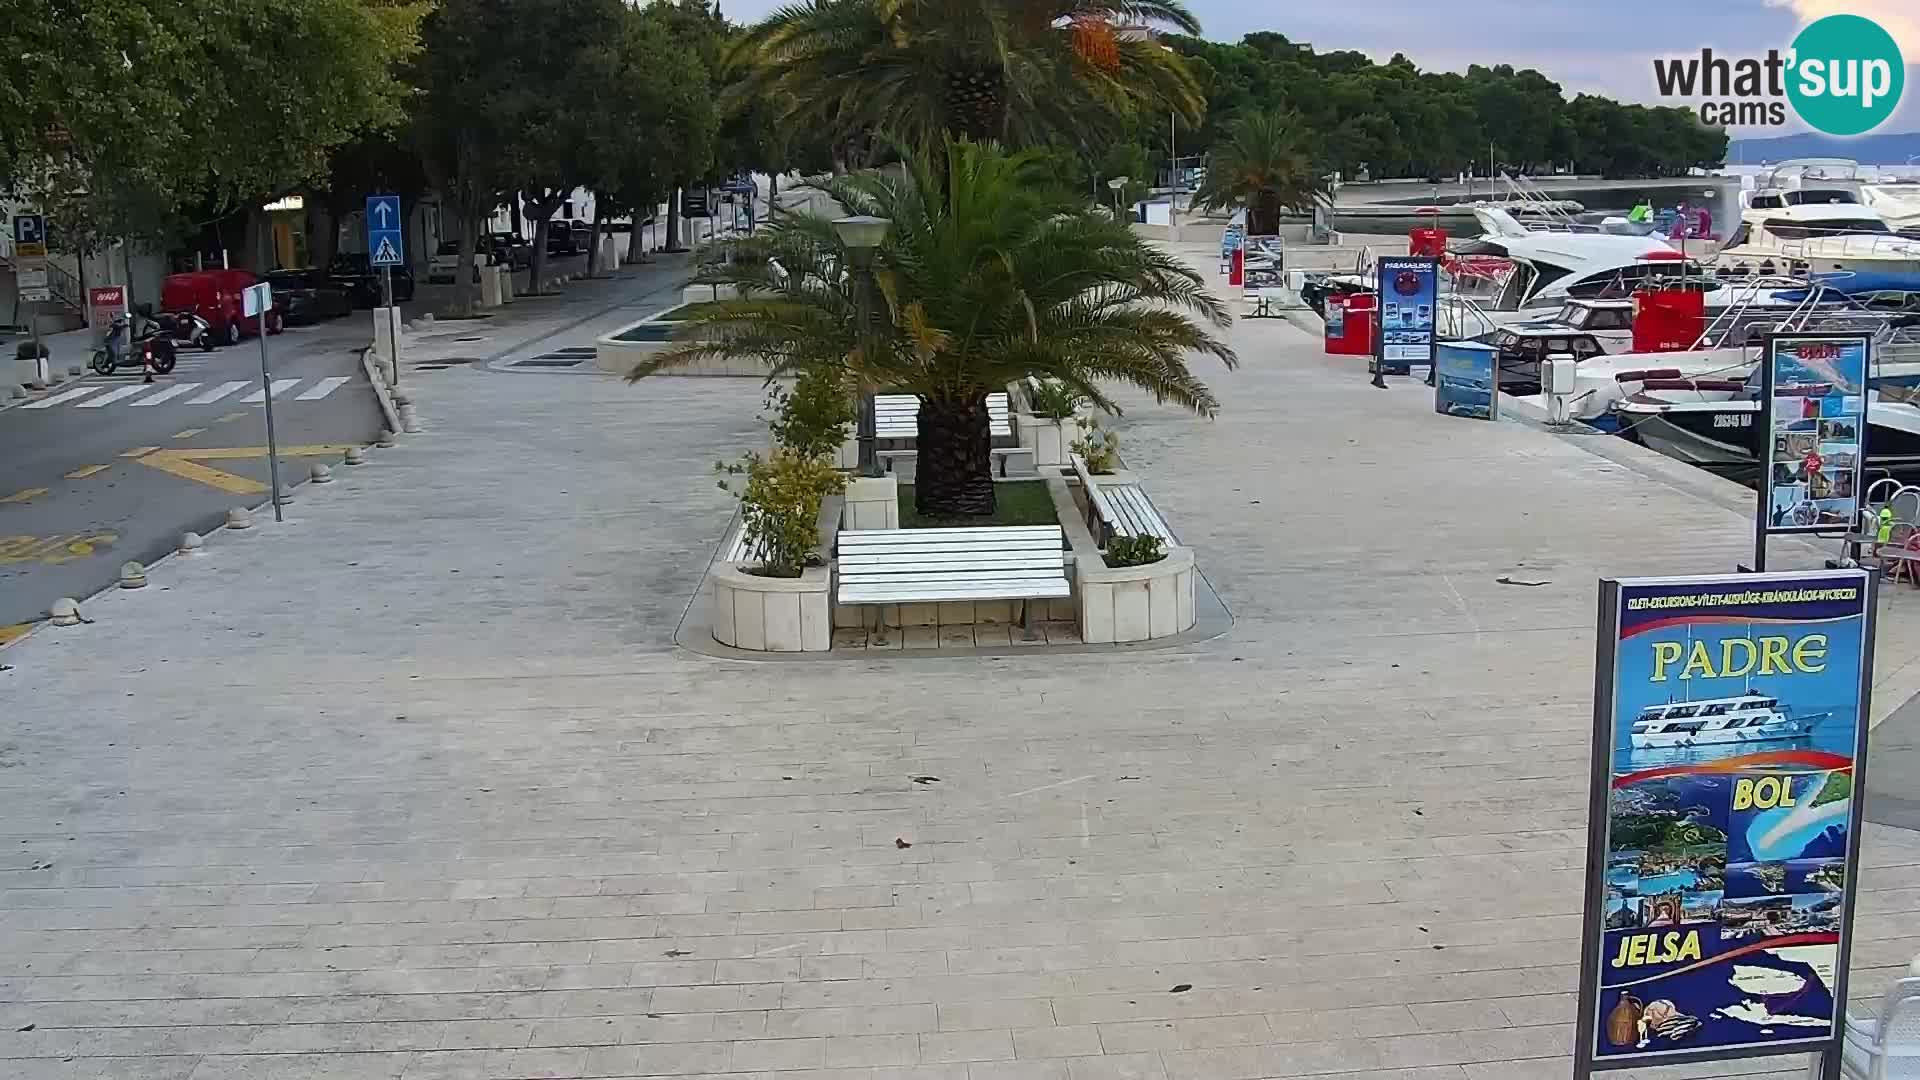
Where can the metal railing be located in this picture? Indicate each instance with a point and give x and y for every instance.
(1851, 246)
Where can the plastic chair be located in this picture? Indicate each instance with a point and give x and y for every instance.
(1887, 1046)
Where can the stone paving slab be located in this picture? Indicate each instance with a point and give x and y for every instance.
(417, 785)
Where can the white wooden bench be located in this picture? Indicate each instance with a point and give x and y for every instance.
(897, 416)
(1119, 509)
(924, 566)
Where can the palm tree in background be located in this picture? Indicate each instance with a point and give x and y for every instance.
(1267, 163)
(989, 275)
(1021, 72)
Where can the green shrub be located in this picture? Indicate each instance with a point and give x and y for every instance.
(1053, 399)
(813, 418)
(780, 507)
(1134, 551)
(1099, 447)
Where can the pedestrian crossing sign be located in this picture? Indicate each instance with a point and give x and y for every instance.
(386, 244)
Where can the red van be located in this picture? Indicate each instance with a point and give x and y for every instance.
(214, 295)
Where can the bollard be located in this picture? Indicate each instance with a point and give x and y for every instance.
(133, 576)
(387, 439)
(356, 456)
(191, 543)
(320, 474)
(409, 421)
(15, 391)
(286, 495)
(64, 612)
(239, 518)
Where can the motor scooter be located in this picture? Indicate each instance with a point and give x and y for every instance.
(151, 349)
(188, 326)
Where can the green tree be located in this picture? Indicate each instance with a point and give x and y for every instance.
(1021, 71)
(114, 112)
(1268, 165)
(987, 276)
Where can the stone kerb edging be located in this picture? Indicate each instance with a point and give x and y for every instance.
(1136, 603)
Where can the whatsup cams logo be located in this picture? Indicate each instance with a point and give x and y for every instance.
(1842, 76)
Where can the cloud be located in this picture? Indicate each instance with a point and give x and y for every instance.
(1899, 18)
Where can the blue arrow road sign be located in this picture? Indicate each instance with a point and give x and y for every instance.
(385, 243)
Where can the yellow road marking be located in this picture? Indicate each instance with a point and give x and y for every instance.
(140, 451)
(232, 416)
(52, 549)
(26, 495)
(185, 464)
(86, 471)
(189, 433)
(11, 634)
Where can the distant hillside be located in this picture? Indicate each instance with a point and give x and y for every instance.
(1887, 149)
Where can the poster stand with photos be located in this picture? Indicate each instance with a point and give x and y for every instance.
(1813, 435)
(1724, 818)
(1409, 293)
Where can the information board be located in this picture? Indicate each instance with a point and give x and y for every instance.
(1813, 432)
(1464, 381)
(1730, 728)
(1409, 288)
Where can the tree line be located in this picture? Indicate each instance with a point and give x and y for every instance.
(1393, 119)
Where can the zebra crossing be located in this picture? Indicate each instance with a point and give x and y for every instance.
(143, 395)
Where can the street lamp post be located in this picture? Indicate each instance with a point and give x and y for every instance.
(862, 235)
(1116, 184)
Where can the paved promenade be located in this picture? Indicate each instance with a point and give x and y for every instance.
(417, 786)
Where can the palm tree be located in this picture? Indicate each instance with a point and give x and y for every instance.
(989, 274)
(1017, 71)
(1266, 163)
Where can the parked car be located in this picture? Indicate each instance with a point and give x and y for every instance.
(446, 262)
(509, 250)
(362, 281)
(308, 296)
(566, 237)
(215, 295)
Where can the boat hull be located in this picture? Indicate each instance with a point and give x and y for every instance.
(1770, 733)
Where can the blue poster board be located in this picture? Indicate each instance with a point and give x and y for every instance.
(1724, 828)
(386, 229)
(1463, 384)
(1409, 288)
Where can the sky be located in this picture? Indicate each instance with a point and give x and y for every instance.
(1584, 45)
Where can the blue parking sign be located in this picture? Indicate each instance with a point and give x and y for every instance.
(386, 245)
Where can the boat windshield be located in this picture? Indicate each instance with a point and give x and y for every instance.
(1787, 229)
(1804, 196)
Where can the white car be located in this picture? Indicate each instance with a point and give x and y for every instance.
(445, 263)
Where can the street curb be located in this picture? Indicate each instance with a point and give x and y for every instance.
(380, 389)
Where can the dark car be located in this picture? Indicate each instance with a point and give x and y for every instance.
(308, 296)
(362, 282)
(566, 237)
(509, 250)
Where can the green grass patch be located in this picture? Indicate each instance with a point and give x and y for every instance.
(1023, 502)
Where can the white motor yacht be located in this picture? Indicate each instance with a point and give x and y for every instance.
(1845, 238)
(1750, 718)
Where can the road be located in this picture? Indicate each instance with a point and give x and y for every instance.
(104, 470)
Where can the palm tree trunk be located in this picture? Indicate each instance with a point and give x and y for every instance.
(954, 474)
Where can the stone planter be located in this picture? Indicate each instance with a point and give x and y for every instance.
(762, 614)
(1135, 603)
(702, 294)
(618, 351)
(1045, 436)
(872, 502)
